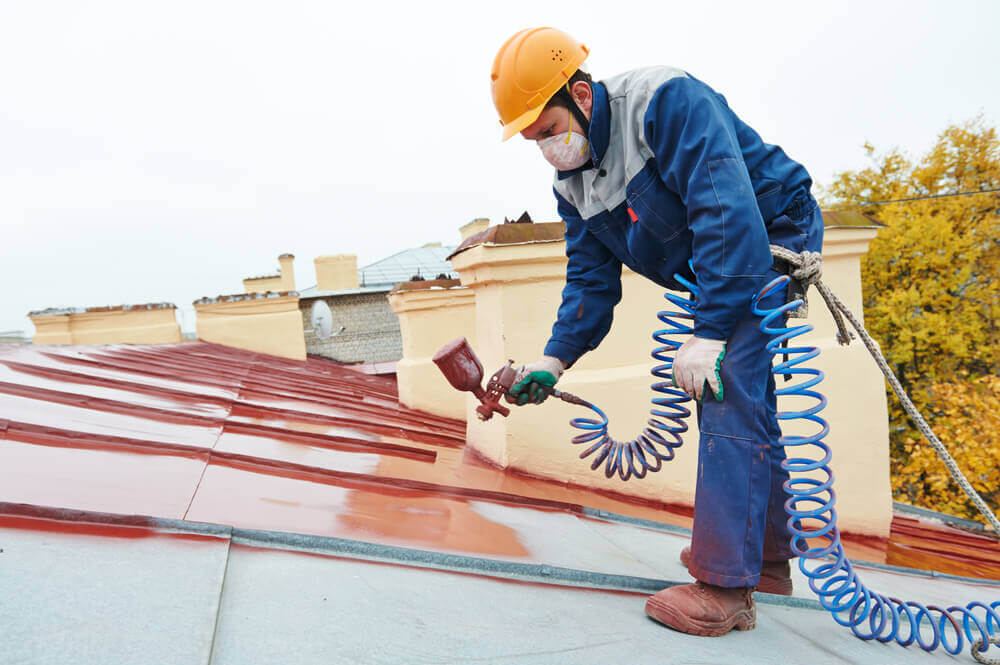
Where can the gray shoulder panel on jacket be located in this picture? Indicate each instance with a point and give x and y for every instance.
(629, 95)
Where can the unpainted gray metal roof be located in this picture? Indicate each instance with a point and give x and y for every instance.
(113, 589)
(427, 262)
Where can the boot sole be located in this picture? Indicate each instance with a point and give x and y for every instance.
(743, 620)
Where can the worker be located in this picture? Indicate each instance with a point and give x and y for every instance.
(654, 171)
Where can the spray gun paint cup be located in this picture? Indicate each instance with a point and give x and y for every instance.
(459, 364)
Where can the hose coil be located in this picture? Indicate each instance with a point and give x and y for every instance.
(813, 516)
(664, 429)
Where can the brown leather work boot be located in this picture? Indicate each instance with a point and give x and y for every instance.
(703, 609)
(775, 576)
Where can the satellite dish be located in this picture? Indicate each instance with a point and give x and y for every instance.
(322, 319)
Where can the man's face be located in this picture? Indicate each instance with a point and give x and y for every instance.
(554, 121)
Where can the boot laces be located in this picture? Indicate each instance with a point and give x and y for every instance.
(702, 590)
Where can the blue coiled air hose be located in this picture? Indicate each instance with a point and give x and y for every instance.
(810, 506)
(647, 452)
(812, 516)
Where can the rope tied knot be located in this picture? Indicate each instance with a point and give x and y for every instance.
(810, 270)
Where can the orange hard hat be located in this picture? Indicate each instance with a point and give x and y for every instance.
(530, 67)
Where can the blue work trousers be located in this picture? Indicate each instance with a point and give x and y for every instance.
(739, 514)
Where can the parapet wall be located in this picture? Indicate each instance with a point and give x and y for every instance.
(151, 323)
(267, 323)
(431, 314)
(517, 276)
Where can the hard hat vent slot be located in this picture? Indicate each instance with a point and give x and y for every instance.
(557, 54)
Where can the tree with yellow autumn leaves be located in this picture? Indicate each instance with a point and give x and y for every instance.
(932, 299)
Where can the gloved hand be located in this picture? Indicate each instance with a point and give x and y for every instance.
(528, 387)
(698, 361)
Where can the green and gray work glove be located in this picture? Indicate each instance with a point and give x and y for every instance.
(532, 379)
(699, 361)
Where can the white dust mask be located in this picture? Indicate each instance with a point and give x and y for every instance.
(566, 152)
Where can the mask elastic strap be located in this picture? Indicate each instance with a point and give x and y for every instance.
(569, 135)
(574, 108)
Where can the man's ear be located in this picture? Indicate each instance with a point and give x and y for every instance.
(584, 96)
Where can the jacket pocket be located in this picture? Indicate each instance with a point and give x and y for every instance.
(609, 232)
(653, 207)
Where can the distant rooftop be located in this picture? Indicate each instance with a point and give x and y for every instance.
(13, 337)
(840, 219)
(428, 262)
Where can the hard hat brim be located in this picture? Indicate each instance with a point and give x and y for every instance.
(528, 70)
(522, 121)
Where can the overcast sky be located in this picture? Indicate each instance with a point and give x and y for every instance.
(162, 151)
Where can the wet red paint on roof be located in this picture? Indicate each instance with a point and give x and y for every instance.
(212, 434)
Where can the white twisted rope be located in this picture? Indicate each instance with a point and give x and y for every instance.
(811, 269)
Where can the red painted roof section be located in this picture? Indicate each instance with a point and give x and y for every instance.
(930, 545)
(213, 434)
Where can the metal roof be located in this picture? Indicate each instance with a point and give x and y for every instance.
(193, 503)
(849, 219)
(428, 262)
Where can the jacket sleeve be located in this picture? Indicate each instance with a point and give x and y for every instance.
(593, 288)
(690, 130)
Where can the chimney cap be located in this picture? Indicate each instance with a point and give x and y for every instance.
(514, 234)
(62, 311)
(129, 308)
(237, 297)
(56, 311)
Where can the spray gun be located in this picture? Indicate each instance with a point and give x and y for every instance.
(459, 364)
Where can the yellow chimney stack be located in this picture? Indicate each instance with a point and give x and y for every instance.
(284, 280)
(335, 272)
(475, 226)
(286, 261)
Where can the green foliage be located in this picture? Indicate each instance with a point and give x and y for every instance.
(932, 295)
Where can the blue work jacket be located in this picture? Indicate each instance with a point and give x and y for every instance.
(675, 176)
